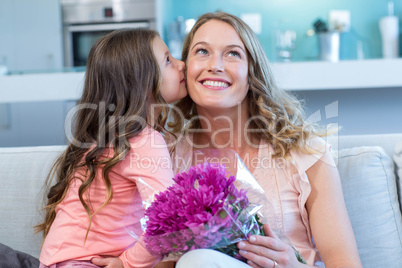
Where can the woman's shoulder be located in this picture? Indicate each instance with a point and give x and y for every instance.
(182, 142)
(316, 148)
(183, 151)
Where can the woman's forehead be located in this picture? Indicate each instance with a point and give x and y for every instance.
(215, 31)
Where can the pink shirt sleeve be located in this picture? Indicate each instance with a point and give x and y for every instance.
(150, 167)
(320, 151)
(149, 164)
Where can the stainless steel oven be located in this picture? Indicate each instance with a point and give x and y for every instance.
(84, 21)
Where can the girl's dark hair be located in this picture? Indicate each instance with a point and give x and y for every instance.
(122, 77)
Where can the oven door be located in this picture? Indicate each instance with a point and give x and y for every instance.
(78, 39)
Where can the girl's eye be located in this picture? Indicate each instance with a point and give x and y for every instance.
(234, 54)
(168, 59)
(202, 51)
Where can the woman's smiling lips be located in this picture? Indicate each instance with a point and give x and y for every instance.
(213, 83)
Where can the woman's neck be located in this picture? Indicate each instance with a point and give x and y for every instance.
(225, 128)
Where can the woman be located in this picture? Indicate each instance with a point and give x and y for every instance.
(233, 103)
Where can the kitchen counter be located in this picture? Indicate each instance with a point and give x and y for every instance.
(374, 73)
(41, 87)
(319, 75)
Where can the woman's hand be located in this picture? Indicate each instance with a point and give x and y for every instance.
(108, 262)
(268, 251)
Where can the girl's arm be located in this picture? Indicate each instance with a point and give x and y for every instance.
(149, 165)
(166, 264)
(329, 220)
(117, 263)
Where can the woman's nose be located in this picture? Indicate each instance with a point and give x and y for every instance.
(216, 64)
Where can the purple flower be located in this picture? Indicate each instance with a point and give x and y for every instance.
(203, 209)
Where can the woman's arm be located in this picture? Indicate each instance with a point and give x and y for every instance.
(329, 220)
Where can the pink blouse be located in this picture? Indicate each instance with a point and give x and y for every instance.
(286, 187)
(144, 171)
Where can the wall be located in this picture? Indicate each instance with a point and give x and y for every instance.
(299, 16)
(34, 123)
(359, 111)
(31, 34)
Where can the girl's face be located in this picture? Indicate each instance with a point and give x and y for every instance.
(217, 66)
(173, 85)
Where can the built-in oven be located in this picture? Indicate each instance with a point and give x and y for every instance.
(84, 21)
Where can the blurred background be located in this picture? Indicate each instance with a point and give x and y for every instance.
(342, 58)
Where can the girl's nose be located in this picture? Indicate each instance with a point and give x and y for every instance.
(180, 65)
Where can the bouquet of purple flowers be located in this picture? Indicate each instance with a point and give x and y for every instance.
(203, 209)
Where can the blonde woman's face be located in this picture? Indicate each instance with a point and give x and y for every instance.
(173, 86)
(217, 67)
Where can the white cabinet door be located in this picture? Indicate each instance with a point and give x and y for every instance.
(7, 30)
(32, 31)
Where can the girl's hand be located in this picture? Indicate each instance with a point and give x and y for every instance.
(108, 262)
(268, 251)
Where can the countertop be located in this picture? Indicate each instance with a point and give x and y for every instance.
(352, 74)
(315, 75)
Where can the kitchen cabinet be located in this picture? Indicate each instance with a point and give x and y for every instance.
(6, 33)
(33, 123)
(31, 34)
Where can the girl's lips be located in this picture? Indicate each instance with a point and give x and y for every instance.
(183, 80)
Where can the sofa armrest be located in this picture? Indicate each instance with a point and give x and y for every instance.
(23, 171)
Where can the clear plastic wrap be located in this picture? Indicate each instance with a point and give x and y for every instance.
(216, 203)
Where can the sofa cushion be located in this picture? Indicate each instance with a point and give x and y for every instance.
(398, 163)
(370, 192)
(23, 172)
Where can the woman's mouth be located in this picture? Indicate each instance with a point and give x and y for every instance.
(214, 84)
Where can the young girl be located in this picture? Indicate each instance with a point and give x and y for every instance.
(116, 150)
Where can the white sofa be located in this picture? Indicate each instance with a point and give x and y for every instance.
(369, 180)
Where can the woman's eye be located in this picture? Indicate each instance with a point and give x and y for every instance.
(202, 51)
(234, 54)
(168, 59)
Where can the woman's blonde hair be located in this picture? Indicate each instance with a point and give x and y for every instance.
(277, 114)
(122, 76)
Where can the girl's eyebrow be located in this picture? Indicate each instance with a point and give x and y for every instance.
(229, 46)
